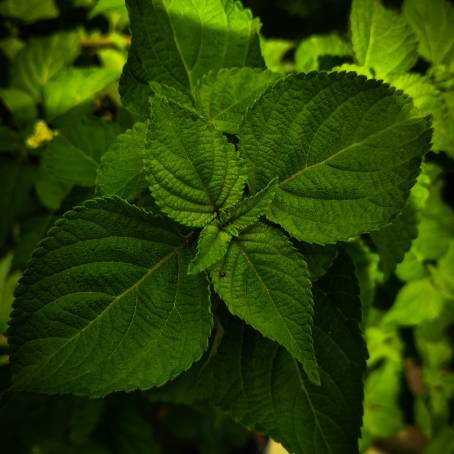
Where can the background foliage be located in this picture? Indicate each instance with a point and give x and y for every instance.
(61, 119)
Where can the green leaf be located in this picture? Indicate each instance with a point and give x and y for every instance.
(20, 104)
(382, 40)
(265, 281)
(444, 272)
(108, 6)
(176, 43)
(73, 156)
(224, 97)
(192, 170)
(332, 140)
(29, 10)
(249, 210)
(310, 50)
(51, 189)
(41, 59)
(264, 388)
(8, 282)
(211, 248)
(99, 305)
(319, 259)
(121, 170)
(395, 240)
(442, 442)
(75, 86)
(416, 303)
(433, 23)
(429, 100)
(274, 52)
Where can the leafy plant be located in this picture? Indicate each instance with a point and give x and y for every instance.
(228, 234)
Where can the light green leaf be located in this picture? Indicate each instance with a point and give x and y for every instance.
(41, 59)
(274, 51)
(249, 210)
(73, 156)
(176, 43)
(443, 274)
(20, 104)
(192, 169)
(433, 23)
(429, 100)
(263, 387)
(121, 170)
(224, 97)
(75, 86)
(265, 281)
(99, 305)
(332, 140)
(382, 40)
(416, 303)
(29, 10)
(108, 6)
(211, 248)
(312, 49)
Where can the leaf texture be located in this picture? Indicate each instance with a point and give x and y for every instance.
(346, 150)
(264, 388)
(382, 40)
(106, 305)
(264, 281)
(192, 170)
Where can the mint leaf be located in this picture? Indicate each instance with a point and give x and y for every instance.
(192, 169)
(265, 281)
(433, 23)
(249, 210)
(211, 248)
(99, 305)
(176, 43)
(224, 97)
(73, 156)
(29, 10)
(74, 86)
(310, 51)
(121, 170)
(331, 140)
(264, 388)
(382, 40)
(41, 59)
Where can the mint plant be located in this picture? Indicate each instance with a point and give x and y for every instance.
(223, 240)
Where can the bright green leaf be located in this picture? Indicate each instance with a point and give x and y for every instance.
(265, 281)
(29, 10)
(108, 6)
(274, 52)
(20, 104)
(332, 140)
(433, 22)
(382, 40)
(192, 169)
(75, 86)
(99, 305)
(312, 49)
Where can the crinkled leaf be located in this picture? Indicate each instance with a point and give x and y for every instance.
(382, 40)
(265, 281)
(310, 51)
(29, 10)
(433, 22)
(211, 248)
(224, 97)
(192, 169)
(8, 282)
(99, 305)
(332, 140)
(249, 210)
(264, 388)
(41, 59)
(74, 86)
(176, 43)
(121, 170)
